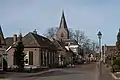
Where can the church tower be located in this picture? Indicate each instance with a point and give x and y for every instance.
(63, 32)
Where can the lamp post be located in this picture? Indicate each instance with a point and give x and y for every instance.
(100, 61)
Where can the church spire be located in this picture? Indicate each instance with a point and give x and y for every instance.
(63, 32)
(63, 16)
(63, 22)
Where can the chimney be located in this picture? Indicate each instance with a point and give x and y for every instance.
(20, 37)
(15, 38)
(35, 31)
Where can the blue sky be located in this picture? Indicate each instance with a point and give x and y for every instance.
(87, 15)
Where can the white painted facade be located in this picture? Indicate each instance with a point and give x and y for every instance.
(74, 48)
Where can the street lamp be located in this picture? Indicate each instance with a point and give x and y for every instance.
(99, 37)
(100, 62)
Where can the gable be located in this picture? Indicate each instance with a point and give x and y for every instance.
(29, 40)
(43, 41)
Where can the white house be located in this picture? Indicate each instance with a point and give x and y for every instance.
(75, 47)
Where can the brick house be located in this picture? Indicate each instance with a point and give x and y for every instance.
(40, 51)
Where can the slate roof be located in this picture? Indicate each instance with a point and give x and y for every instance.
(57, 44)
(43, 41)
(60, 46)
(33, 40)
(9, 41)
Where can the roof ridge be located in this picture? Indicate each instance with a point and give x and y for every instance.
(32, 34)
(43, 41)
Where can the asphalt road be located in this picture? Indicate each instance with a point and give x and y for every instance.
(80, 72)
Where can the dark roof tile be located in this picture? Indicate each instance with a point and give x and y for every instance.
(33, 40)
(43, 41)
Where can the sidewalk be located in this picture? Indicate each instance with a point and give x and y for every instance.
(105, 75)
(19, 75)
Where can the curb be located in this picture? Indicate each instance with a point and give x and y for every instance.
(41, 72)
(114, 76)
(26, 75)
(110, 73)
(117, 72)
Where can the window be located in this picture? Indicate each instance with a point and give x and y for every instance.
(41, 57)
(0, 43)
(50, 57)
(47, 57)
(26, 58)
(0, 62)
(14, 59)
(43, 54)
(0, 40)
(53, 57)
(62, 35)
(31, 58)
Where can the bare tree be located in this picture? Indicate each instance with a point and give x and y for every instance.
(71, 33)
(78, 35)
(51, 32)
(86, 45)
(93, 46)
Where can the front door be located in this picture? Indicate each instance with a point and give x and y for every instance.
(4, 65)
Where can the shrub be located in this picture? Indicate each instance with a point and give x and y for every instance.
(115, 68)
(117, 62)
